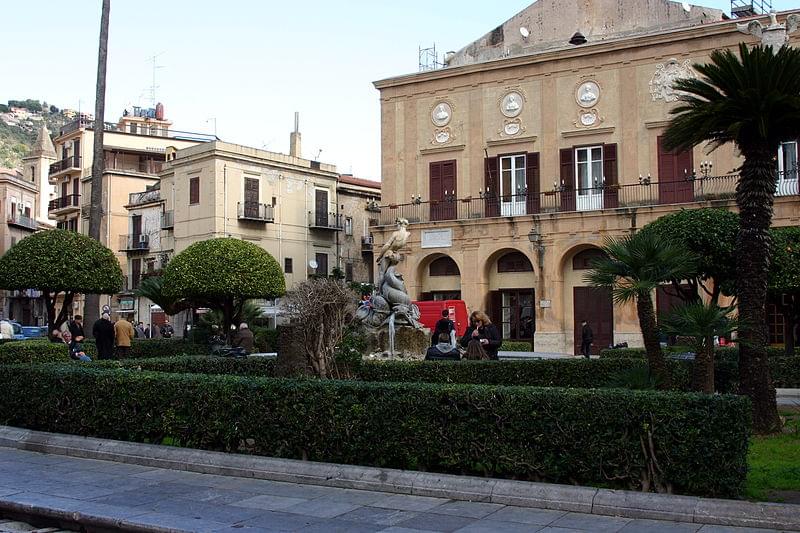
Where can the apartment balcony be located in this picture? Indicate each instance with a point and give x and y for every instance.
(325, 221)
(367, 242)
(145, 197)
(64, 205)
(131, 243)
(256, 212)
(562, 200)
(21, 221)
(168, 220)
(69, 164)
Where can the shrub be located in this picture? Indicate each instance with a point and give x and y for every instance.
(725, 353)
(266, 340)
(145, 348)
(593, 437)
(190, 364)
(516, 346)
(33, 351)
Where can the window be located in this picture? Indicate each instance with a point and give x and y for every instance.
(27, 211)
(514, 262)
(443, 266)
(322, 264)
(287, 265)
(348, 226)
(132, 127)
(194, 190)
(787, 169)
(583, 260)
(512, 185)
(589, 177)
(348, 271)
(33, 173)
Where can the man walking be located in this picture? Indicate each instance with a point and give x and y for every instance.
(167, 331)
(587, 337)
(123, 334)
(103, 331)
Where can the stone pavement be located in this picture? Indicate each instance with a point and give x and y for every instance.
(150, 499)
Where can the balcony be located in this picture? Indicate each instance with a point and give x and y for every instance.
(71, 163)
(65, 204)
(256, 212)
(167, 220)
(145, 197)
(134, 243)
(366, 244)
(88, 123)
(325, 221)
(647, 193)
(21, 221)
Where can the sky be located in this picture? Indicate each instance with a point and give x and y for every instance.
(244, 66)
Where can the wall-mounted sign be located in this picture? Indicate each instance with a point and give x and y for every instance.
(437, 238)
(544, 304)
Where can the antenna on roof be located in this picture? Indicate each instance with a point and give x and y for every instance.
(153, 87)
(428, 60)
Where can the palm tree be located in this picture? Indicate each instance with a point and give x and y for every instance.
(91, 309)
(152, 288)
(753, 101)
(633, 268)
(702, 322)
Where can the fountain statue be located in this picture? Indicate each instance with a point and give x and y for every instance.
(391, 320)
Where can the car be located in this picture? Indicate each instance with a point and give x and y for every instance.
(17, 328)
(34, 332)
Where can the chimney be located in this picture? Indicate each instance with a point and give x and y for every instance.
(294, 138)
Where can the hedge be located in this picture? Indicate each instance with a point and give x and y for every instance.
(516, 346)
(191, 364)
(725, 353)
(697, 443)
(33, 351)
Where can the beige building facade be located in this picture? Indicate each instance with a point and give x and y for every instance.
(515, 162)
(357, 199)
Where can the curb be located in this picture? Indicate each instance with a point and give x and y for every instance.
(627, 504)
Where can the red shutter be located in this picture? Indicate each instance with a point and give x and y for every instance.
(449, 186)
(684, 189)
(492, 187)
(194, 190)
(442, 182)
(532, 182)
(566, 158)
(611, 190)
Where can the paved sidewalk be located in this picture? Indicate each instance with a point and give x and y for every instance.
(170, 500)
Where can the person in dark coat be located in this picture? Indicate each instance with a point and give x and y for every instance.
(167, 331)
(443, 325)
(482, 330)
(587, 338)
(76, 328)
(103, 332)
(443, 350)
(244, 338)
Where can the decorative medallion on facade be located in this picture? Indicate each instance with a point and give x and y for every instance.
(665, 76)
(588, 118)
(511, 104)
(441, 114)
(587, 94)
(511, 127)
(442, 136)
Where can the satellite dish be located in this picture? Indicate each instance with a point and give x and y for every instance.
(686, 6)
(313, 264)
(524, 32)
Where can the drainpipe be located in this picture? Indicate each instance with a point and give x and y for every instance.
(225, 200)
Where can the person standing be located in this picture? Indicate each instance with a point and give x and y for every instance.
(123, 335)
(482, 330)
(103, 331)
(443, 325)
(76, 328)
(587, 338)
(138, 332)
(167, 331)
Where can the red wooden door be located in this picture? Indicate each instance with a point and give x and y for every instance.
(596, 307)
(673, 169)
(443, 190)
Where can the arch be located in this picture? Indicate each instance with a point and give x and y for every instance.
(565, 261)
(490, 265)
(443, 266)
(514, 262)
(444, 282)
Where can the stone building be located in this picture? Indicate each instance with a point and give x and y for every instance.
(535, 143)
(356, 198)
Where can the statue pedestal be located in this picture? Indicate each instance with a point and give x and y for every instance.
(409, 343)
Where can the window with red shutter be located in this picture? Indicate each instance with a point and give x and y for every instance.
(194, 190)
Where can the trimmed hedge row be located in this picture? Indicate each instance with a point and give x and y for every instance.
(44, 351)
(593, 437)
(516, 346)
(724, 353)
(192, 364)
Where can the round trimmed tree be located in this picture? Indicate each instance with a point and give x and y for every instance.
(223, 274)
(62, 264)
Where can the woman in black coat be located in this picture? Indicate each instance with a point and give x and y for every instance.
(482, 330)
(103, 331)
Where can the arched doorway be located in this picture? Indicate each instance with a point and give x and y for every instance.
(512, 295)
(594, 305)
(441, 279)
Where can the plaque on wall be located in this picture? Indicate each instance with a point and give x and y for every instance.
(437, 238)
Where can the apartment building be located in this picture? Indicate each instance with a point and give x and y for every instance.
(358, 199)
(536, 142)
(135, 150)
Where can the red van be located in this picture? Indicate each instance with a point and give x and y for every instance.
(431, 311)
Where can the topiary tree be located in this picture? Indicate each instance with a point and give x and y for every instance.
(60, 263)
(709, 234)
(784, 278)
(223, 274)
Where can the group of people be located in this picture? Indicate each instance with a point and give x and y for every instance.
(113, 339)
(481, 341)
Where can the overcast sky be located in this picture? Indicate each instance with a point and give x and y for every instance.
(248, 63)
